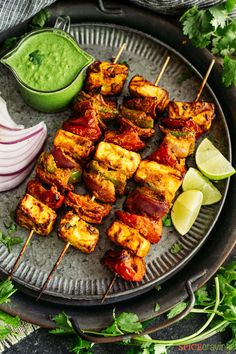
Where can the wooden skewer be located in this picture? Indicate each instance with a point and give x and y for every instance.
(119, 53)
(65, 248)
(204, 80)
(109, 287)
(18, 259)
(156, 83)
(67, 245)
(162, 71)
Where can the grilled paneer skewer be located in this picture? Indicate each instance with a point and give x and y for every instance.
(106, 78)
(129, 238)
(89, 210)
(74, 145)
(201, 113)
(34, 215)
(78, 232)
(126, 265)
(139, 87)
(117, 158)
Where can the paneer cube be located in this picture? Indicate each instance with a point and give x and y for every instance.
(34, 215)
(162, 179)
(117, 158)
(128, 238)
(74, 145)
(78, 232)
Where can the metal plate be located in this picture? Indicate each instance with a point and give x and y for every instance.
(81, 277)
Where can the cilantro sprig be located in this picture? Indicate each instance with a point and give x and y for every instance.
(6, 237)
(215, 29)
(215, 301)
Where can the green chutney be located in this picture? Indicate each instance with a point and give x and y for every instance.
(47, 61)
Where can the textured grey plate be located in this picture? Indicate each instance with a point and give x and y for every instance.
(81, 276)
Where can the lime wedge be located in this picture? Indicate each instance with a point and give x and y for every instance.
(195, 180)
(185, 210)
(211, 162)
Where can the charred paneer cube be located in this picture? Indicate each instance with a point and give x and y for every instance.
(74, 145)
(86, 208)
(128, 238)
(106, 78)
(202, 113)
(102, 188)
(117, 158)
(78, 232)
(161, 178)
(139, 87)
(34, 215)
(63, 178)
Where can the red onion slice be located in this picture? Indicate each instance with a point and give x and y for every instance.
(5, 119)
(12, 167)
(8, 136)
(10, 182)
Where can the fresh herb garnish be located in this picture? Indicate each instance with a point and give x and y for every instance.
(9, 241)
(157, 307)
(36, 57)
(40, 19)
(176, 247)
(214, 28)
(217, 302)
(166, 221)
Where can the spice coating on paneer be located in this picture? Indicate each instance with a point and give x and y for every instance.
(202, 113)
(78, 232)
(149, 228)
(162, 179)
(129, 238)
(63, 178)
(139, 87)
(101, 188)
(76, 146)
(88, 210)
(117, 158)
(106, 78)
(34, 215)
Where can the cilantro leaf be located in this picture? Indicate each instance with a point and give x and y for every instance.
(10, 42)
(129, 322)
(167, 220)
(82, 346)
(176, 310)
(176, 247)
(230, 5)
(126, 322)
(231, 344)
(225, 41)
(6, 290)
(229, 71)
(220, 16)
(201, 296)
(39, 20)
(63, 323)
(10, 320)
(197, 26)
(36, 57)
(157, 307)
(9, 241)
